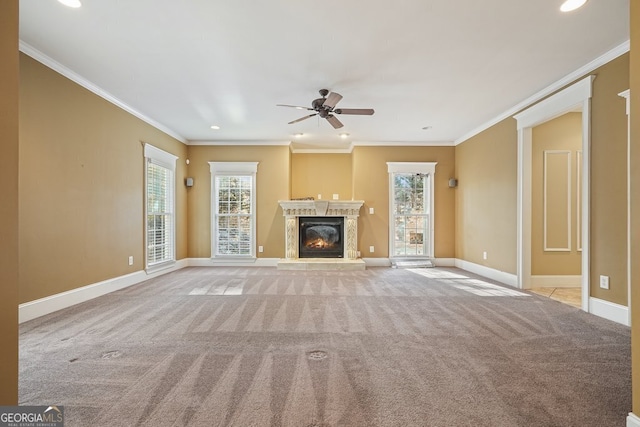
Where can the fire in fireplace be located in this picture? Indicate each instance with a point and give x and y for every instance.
(321, 237)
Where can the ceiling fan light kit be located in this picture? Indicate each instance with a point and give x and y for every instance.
(324, 107)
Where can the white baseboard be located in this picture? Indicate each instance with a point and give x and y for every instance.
(444, 262)
(615, 312)
(633, 420)
(490, 273)
(377, 262)
(540, 281)
(211, 262)
(40, 307)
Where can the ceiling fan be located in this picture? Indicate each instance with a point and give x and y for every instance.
(325, 108)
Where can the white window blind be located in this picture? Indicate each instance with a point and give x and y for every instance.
(160, 206)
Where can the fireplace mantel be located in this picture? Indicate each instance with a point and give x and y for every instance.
(298, 208)
(294, 209)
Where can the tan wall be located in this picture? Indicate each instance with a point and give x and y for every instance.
(81, 185)
(635, 203)
(565, 134)
(486, 197)
(609, 181)
(272, 181)
(371, 184)
(325, 174)
(9, 77)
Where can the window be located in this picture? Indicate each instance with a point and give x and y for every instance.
(160, 207)
(411, 195)
(233, 209)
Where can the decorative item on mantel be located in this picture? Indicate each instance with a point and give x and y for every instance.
(293, 210)
(304, 198)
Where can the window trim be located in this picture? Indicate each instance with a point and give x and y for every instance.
(425, 168)
(230, 169)
(166, 160)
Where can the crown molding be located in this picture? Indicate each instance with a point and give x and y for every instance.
(34, 53)
(554, 87)
(239, 142)
(403, 144)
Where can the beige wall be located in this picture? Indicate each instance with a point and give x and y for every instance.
(371, 184)
(635, 203)
(325, 174)
(609, 181)
(564, 134)
(9, 77)
(81, 185)
(486, 197)
(272, 181)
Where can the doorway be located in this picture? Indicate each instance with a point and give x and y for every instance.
(555, 203)
(573, 98)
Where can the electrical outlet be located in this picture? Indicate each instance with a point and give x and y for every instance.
(336, 196)
(319, 196)
(131, 260)
(371, 211)
(260, 249)
(372, 249)
(484, 255)
(604, 282)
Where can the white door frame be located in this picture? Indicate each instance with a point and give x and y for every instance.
(575, 97)
(627, 96)
(426, 168)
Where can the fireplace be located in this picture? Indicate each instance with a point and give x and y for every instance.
(321, 237)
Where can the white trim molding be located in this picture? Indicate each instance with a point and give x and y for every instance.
(444, 262)
(377, 262)
(633, 420)
(43, 306)
(576, 96)
(579, 200)
(240, 169)
(488, 272)
(609, 310)
(545, 200)
(627, 96)
(425, 168)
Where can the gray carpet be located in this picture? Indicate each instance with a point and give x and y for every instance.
(381, 347)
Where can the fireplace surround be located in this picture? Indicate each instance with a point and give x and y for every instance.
(329, 211)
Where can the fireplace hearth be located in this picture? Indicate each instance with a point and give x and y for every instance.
(321, 237)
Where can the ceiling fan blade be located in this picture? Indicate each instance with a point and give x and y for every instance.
(302, 118)
(294, 106)
(332, 100)
(357, 111)
(334, 121)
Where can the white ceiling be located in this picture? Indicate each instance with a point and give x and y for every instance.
(449, 64)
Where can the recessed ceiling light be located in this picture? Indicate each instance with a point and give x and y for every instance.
(298, 135)
(570, 5)
(344, 135)
(215, 127)
(71, 3)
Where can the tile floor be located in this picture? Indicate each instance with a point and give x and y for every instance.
(571, 296)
